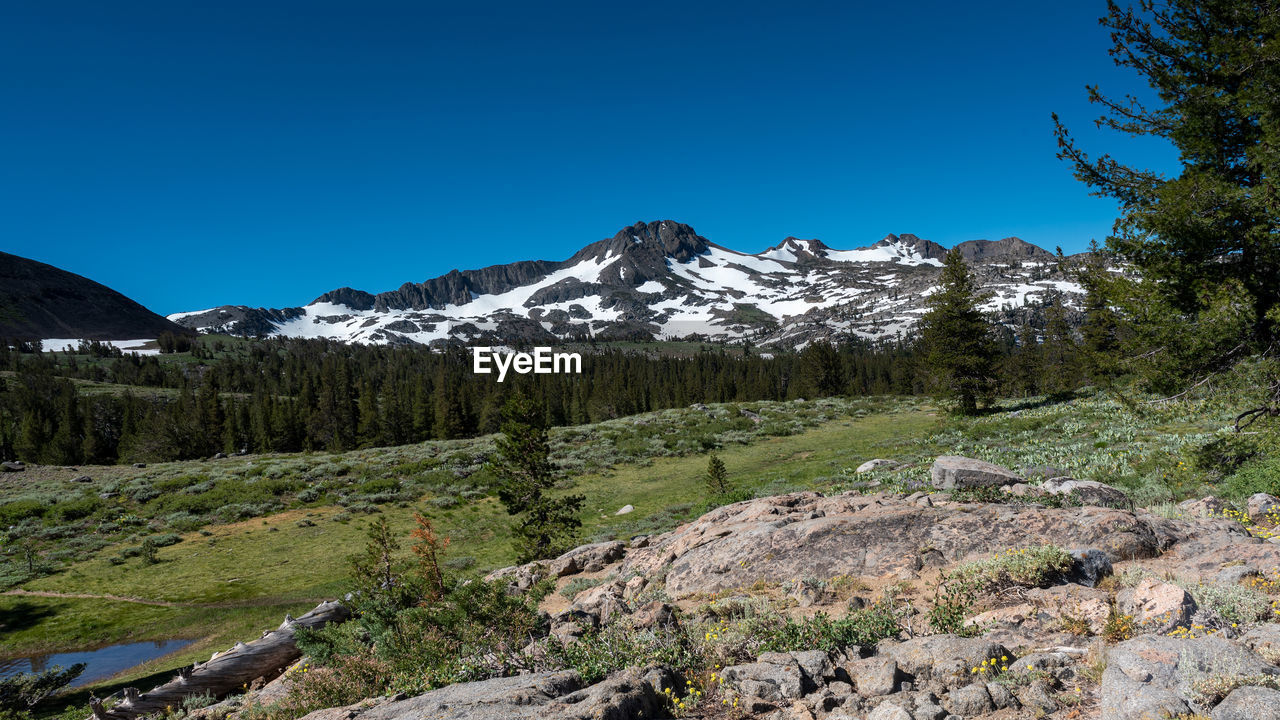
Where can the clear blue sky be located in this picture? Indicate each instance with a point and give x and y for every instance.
(192, 154)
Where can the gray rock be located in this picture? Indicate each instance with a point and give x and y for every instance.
(139, 465)
(1037, 696)
(1089, 566)
(1261, 506)
(1249, 703)
(1234, 574)
(12, 466)
(874, 676)
(1023, 490)
(876, 464)
(625, 510)
(889, 711)
(927, 709)
(1263, 639)
(1204, 507)
(587, 558)
(952, 471)
(945, 659)
(1153, 674)
(815, 664)
(1000, 696)
(1089, 492)
(970, 700)
(82, 479)
(655, 614)
(768, 681)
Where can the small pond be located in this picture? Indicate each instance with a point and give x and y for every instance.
(100, 664)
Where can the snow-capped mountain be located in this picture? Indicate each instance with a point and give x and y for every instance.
(661, 280)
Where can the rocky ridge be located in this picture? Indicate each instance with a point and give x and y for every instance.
(661, 280)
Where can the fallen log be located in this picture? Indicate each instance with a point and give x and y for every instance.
(225, 672)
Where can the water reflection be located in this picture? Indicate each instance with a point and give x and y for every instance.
(100, 664)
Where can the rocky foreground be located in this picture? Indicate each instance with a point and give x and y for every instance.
(1151, 616)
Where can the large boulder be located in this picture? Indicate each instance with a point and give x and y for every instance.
(806, 535)
(539, 696)
(1088, 492)
(12, 466)
(1151, 676)
(950, 472)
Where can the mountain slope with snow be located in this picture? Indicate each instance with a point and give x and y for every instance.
(661, 280)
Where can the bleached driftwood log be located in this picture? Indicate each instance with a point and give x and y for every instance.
(226, 671)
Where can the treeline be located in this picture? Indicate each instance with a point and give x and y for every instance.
(289, 395)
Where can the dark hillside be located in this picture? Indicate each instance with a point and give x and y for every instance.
(41, 301)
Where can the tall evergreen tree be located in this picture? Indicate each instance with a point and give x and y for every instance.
(1060, 368)
(1100, 332)
(959, 350)
(822, 370)
(1205, 240)
(546, 525)
(1025, 362)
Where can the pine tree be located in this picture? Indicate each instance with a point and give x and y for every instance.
(717, 476)
(1101, 329)
(546, 525)
(1203, 240)
(1025, 363)
(959, 351)
(1060, 369)
(822, 370)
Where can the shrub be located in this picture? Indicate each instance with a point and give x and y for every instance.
(601, 652)
(165, 540)
(14, 512)
(1026, 567)
(1258, 475)
(821, 632)
(1233, 603)
(577, 585)
(952, 603)
(1210, 690)
(81, 507)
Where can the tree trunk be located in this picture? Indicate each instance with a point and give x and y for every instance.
(228, 671)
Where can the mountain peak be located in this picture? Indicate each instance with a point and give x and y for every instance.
(794, 249)
(1010, 247)
(667, 237)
